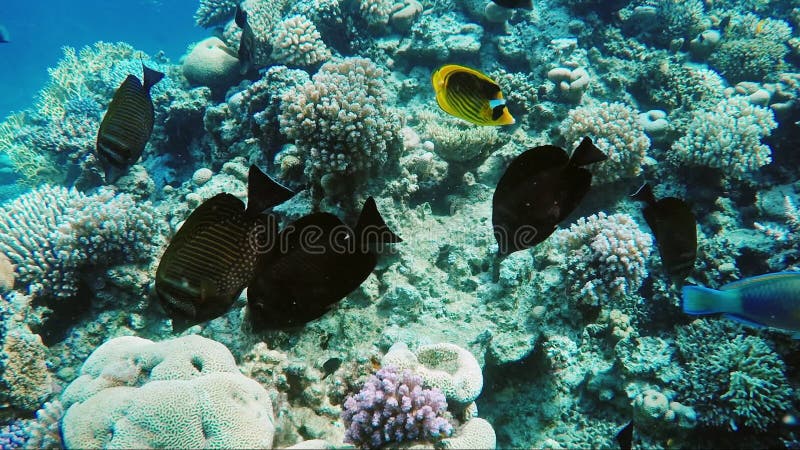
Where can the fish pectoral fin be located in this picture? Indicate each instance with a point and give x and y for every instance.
(743, 321)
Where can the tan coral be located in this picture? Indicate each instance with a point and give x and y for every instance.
(298, 43)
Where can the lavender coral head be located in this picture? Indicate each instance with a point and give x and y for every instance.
(393, 407)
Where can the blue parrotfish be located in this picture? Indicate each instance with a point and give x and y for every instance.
(771, 300)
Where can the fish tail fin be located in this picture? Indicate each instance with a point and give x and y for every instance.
(264, 192)
(151, 77)
(702, 300)
(645, 194)
(241, 17)
(587, 153)
(371, 227)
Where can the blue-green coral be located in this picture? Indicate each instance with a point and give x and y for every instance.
(730, 379)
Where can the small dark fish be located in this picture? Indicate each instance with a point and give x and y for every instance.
(763, 301)
(723, 24)
(247, 43)
(4, 36)
(515, 4)
(675, 228)
(540, 188)
(212, 257)
(319, 262)
(128, 123)
(625, 437)
(331, 366)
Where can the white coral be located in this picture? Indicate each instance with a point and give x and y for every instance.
(605, 256)
(615, 129)
(727, 138)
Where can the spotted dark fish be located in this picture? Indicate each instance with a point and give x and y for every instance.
(540, 188)
(128, 123)
(320, 261)
(212, 257)
(675, 228)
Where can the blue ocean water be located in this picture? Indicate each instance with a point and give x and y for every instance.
(39, 29)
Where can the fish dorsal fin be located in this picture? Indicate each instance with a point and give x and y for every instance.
(264, 192)
(241, 17)
(151, 77)
(532, 162)
(739, 284)
(587, 153)
(372, 228)
(645, 194)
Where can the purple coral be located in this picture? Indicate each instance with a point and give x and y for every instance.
(393, 407)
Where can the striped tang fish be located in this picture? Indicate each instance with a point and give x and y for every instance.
(470, 95)
(212, 257)
(128, 123)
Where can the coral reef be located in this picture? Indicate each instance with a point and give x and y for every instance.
(731, 380)
(340, 121)
(614, 129)
(605, 258)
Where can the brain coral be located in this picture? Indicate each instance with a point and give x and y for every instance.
(211, 63)
(615, 129)
(447, 367)
(604, 256)
(182, 393)
(339, 120)
(728, 138)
